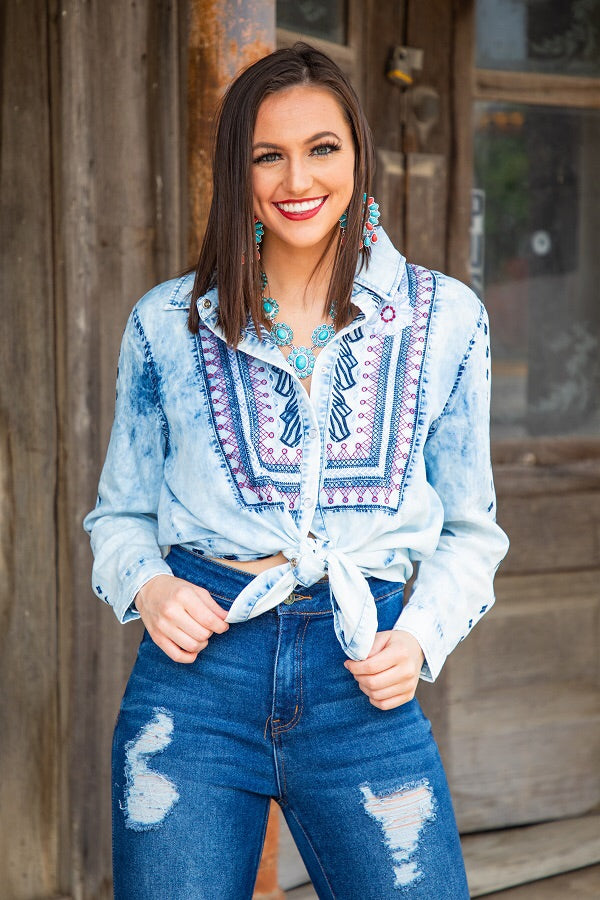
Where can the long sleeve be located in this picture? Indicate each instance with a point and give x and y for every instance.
(454, 586)
(123, 525)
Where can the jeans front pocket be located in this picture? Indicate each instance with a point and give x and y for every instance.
(389, 608)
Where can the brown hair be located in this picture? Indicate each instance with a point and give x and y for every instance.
(229, 235)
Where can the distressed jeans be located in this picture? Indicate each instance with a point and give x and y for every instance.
(268, 710)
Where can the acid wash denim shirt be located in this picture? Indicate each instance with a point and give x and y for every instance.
(385, 464)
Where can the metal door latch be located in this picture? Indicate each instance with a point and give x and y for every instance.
(402, 63)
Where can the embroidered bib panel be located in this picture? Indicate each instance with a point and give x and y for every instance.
(371, 421)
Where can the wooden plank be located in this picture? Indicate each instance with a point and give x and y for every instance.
(114, 239)
(551, 532)
(498, 860)
(546, 451)
(529, 480)
(534, 87)
(383, 101)
(582, 884)
(426, 209)
(502, 859)
(460, 159)
(541, 625)
(524, 754)
(28, 448)
(390, 187)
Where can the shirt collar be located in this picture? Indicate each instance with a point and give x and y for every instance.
(379, 280)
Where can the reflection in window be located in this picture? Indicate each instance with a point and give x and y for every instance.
(326, 19)
(552, 36)
(536, 261)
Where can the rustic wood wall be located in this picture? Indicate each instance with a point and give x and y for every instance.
(93, 214)
(29, 710)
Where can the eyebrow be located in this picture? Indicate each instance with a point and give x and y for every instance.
(315, 137)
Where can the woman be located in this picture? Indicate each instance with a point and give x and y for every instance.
(295, 427)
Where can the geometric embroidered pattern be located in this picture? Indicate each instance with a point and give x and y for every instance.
(264, 470)
(372, 421)
(369, 470)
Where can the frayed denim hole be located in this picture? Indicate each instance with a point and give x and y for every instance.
(149, 796)
(403, 815)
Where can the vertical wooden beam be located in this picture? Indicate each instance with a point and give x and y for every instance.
(224, 36)
(118, 229)
(460, 166)
(28, 446)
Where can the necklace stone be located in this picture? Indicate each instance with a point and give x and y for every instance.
(302, 359)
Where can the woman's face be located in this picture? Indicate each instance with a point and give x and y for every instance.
(303, 166)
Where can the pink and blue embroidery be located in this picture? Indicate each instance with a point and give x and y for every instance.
(372, 418)
(370, 468)
(264, 470)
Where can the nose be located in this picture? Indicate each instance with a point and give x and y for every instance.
(298, 177)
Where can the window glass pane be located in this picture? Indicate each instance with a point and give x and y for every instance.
(552, 36)
(536, 262)
(326, 19)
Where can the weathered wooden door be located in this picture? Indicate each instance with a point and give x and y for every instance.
(485, 118)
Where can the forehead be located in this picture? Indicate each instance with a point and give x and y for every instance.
(300, 110)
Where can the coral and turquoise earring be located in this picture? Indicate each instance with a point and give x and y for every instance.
(368, 236)
(259, 230)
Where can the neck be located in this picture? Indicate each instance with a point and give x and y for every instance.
(294, 278)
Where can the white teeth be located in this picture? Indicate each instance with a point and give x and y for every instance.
(301, 207)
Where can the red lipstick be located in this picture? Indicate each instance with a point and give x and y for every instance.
(304, 214)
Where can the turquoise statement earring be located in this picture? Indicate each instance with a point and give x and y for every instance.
(368, 236)
(259, 230)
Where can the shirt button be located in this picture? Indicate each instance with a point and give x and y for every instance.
(307, 501)
(313, 433)
(206, 304)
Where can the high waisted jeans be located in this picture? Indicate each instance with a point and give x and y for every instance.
(268, 710)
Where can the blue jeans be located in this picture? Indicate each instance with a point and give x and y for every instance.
(268, 710)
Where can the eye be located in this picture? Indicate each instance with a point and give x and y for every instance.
(325, 149)
(270, 157)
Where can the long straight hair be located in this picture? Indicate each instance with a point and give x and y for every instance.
(228, 254)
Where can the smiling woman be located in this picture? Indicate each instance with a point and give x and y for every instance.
(315, 420)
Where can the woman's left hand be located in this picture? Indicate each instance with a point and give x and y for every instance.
(390, 674)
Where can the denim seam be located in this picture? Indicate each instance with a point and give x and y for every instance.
(153, 377)
(300, 706)
(277, 741)
(262, 843)
(461, 370)
(312, 847)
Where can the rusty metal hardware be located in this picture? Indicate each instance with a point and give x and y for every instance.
(402, 64)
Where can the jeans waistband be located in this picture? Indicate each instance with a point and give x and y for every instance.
(225, 582)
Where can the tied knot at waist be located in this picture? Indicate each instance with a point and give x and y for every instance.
(309, 561)
(353, 606)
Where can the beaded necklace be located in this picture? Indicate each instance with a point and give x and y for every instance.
(302, 359)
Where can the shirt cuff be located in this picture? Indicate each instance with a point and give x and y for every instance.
(125, 611)
(419, 625)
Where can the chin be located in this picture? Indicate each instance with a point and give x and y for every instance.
(305, 242)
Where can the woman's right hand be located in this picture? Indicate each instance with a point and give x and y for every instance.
(180, 617)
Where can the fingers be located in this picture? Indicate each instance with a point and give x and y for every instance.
(390, 674)
(180, 617)
(204, 609)
(173, 650)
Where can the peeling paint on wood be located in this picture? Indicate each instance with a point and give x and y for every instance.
(224, 37)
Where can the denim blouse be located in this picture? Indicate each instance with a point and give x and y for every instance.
(385, 464)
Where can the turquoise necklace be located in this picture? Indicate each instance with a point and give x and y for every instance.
(302, 359)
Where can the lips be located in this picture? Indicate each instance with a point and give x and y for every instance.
(300, 209)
